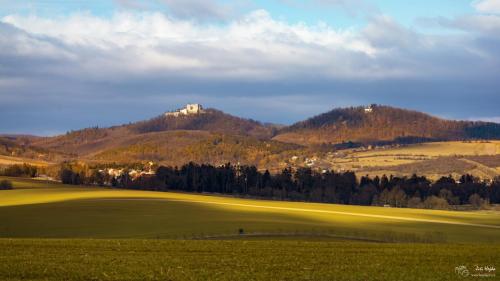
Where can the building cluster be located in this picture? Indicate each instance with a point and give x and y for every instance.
(133, 173)
(190, 109)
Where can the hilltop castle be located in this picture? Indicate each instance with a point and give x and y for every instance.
(190, 109)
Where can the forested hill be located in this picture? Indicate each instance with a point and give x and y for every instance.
(212, 137)
(212, 120)
(215, 137)
(382, 123)
(19, 146)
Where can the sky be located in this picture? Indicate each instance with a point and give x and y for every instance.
(67, 65)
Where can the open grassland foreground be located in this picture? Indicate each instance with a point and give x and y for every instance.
(56, 232)
(75, 259)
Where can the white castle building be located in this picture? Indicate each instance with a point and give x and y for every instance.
(191, 108)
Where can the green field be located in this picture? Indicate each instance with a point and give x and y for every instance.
(112, 234)
(236, 260)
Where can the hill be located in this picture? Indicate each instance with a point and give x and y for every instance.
(182, 146)
(91, 140)
(215, 137)
(212, 137)
(17, 149)
(212, 120)
(382, 124)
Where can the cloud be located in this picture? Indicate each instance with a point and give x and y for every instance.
(476, 24)
(254, 47)
(352, 7)
(136, 62)
(198, 10)
(487, 6)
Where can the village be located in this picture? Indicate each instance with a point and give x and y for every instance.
(148, 170)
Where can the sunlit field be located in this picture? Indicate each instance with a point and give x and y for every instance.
(112, 234)
(60, 211)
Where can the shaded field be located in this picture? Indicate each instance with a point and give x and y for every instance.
(32, 183)
(75, 259)
(48, 210)
(492, 161)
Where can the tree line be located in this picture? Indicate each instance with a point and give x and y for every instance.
(305, 184)
(18, 170)
(301, 184)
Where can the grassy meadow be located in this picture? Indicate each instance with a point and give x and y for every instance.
(56, 259)
(50, 231)
(60, 211)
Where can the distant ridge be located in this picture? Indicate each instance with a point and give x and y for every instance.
(379, 123)
(215, 137)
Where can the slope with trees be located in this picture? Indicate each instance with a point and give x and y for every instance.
(383, 124)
